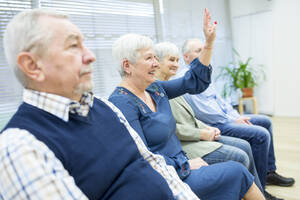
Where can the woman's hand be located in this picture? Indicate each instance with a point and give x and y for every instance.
(210, 134)
(210, 35)
(197, 163)
(216, 131)
(209, 30)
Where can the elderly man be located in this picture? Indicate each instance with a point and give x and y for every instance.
(256, 129)
(63, 143)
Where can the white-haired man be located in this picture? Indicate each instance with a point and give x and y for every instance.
(63, 143)
(211, 109)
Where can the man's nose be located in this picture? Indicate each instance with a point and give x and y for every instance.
(88, 56)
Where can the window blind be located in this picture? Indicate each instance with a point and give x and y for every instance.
(10, 89)
(101, 22)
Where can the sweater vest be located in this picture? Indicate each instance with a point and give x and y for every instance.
(97, 151)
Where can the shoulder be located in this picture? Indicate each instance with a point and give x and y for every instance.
(157, 89)
(121, 98)
(119, 94)
(155, 86)
(125, 102)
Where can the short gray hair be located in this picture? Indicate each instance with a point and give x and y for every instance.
(25, 33)
(186, 45)
(127, 47)
(165, 49)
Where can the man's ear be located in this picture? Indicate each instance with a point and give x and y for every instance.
(29, 64)
(126, 66)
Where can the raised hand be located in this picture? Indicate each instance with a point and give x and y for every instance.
(209, 29)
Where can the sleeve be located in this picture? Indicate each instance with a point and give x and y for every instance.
(195, 81)
(29, 170)
(187, 133)
(231, 111)
(185, 130)
(206, 110)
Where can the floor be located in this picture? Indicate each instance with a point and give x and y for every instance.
(287, 151)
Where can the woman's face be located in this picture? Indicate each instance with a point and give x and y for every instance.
(143, 70)
(169, 65)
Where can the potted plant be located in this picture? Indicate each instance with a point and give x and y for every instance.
(241, 76)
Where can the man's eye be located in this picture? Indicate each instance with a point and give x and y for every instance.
(74, 45)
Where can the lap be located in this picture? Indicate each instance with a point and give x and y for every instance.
(244, 131)
(227, 153)
(220, 180)
(260, 120)
(235, 142)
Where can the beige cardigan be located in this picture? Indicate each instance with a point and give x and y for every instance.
(188, 130)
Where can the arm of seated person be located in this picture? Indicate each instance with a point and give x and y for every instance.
(29, 170)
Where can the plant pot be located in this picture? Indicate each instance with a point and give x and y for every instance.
(247, 92)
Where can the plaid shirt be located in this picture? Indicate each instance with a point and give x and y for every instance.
(30, 170)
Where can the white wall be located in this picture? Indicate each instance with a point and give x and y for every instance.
(286, 54)
(267, 31)
(184, 20)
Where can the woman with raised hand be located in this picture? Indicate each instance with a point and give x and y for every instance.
(145, 104)
(197, 139)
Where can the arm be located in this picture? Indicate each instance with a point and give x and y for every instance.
(187, 127)
(194, 81)
(230, 110)
(197, 78)
(29, 170)
(206, 108)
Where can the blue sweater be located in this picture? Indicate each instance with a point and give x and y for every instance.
(97, 151)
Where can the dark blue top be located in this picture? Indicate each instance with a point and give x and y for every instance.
(157, 129)
(97, 150)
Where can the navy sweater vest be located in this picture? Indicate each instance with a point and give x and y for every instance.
(97, 151)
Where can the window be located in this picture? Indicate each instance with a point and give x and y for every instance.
(101, 22)
(10, 89)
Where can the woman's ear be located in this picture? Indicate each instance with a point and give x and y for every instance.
(126, 66)
(29, 64)
(185, 58)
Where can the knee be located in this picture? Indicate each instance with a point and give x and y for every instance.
(244, 159)
(262, 135)
(236, 169)
(245, 146)
(267, 122)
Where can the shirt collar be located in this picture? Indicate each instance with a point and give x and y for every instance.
(58, 105)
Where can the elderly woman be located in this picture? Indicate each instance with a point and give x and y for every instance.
(145, 104)
(198, 139)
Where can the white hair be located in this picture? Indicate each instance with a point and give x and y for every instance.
(127, 47)
(186, 45)
(164, 49)
(26, 33)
